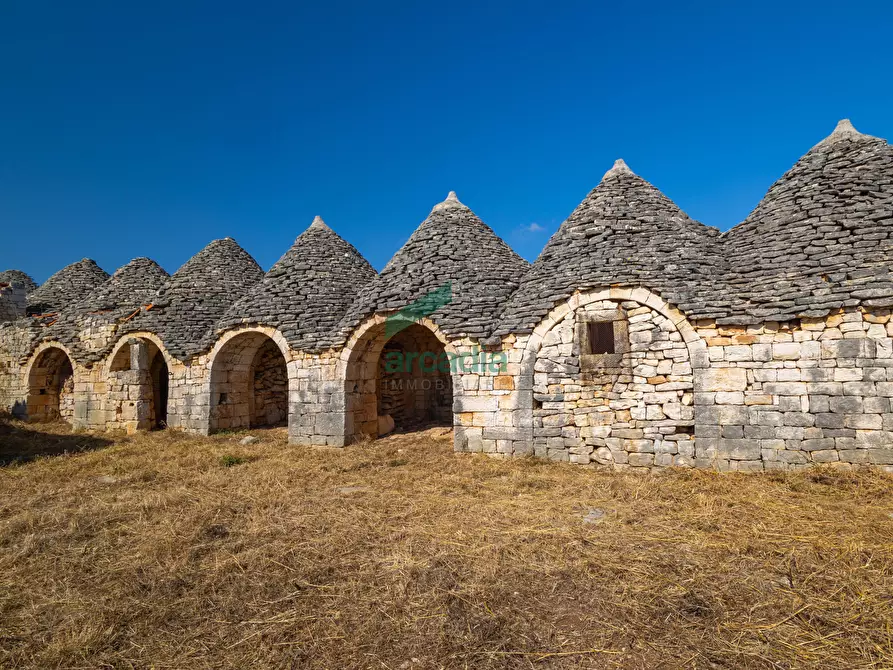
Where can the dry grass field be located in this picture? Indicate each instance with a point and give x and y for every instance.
(170, 551)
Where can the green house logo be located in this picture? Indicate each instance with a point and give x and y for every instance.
(418, 310)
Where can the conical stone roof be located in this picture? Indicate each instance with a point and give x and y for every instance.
(452, 246)
(69, 285)
(129, 287)
(185, 310)
(19, 279)
(821, 237)
(626, 233)
(307, 291)
(113, 301)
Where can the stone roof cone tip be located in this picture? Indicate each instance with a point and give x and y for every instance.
(319, 224)
(619, 167)
(844, 130)
(452, 200)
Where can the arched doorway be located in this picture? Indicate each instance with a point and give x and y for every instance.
(51, 387)
(398, 381)
(249, 384)
(139, 369)
(160, 377)
(636, 362)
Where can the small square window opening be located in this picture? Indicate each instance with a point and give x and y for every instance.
(601, 337)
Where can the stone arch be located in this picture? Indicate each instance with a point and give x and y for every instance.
(402, 370)
(138, 335)
(138, 374)
(50, 378)
(630, 414)
(249, 380)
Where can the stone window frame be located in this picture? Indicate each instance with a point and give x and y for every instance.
(603, 362)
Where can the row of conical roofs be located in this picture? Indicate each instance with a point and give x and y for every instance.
(819, 240)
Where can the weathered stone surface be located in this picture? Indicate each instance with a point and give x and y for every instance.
(624, 233)
(307, 291)
(452, 246)
(820, 239)
(18, 278)
(66, 287)
(724, 379)
(185, 310)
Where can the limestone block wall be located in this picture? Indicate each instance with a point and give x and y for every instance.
(634, 408)
(15, 342)
(672, 393)
(94, 335)
(772, 396)
(788, 395)
(317, 414)
(488, 402)
(131, 401)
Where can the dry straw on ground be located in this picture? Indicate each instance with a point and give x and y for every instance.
(172, 551)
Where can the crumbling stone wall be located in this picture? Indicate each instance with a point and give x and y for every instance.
(66, 398)
(133, 399)
(553, 399)
(269, 400)
(702, 394)
(12, 302)
(51, 386)
(247, 363)
(16, 342)
(318, 411)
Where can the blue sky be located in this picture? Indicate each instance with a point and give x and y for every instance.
(149, 129)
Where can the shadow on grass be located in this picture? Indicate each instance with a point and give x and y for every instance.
(21, 443)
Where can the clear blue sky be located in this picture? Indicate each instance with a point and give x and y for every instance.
(148, 129)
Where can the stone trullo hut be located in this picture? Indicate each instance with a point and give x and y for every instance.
(449, 281)
(288, 318)
(639, 338)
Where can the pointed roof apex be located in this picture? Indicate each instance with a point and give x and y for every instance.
(451, 201)
(620, 167)
(319, 224)
(843, 131)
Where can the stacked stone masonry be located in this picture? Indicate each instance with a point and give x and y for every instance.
(639, 338)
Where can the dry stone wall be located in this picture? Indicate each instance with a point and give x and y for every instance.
(636, 410)
(318, 413)
(791, 394)
(269, 380)
(758, 397)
